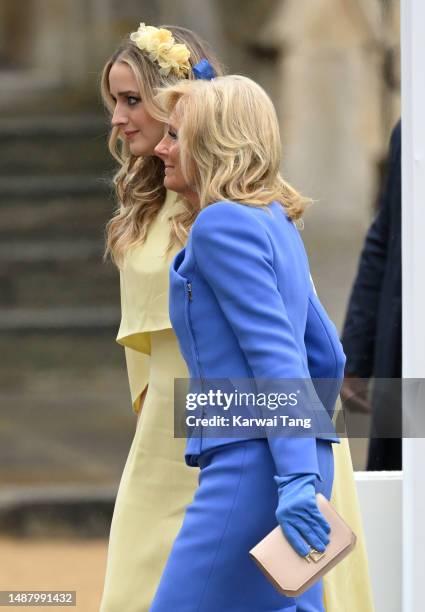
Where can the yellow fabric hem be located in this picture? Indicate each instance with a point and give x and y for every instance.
(347, 587)
(140, 341)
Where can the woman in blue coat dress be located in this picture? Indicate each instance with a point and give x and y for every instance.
(242, 303)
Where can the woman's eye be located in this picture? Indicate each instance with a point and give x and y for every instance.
(132, 100)
(172, 134)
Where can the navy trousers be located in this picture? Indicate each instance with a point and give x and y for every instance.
(209, 569)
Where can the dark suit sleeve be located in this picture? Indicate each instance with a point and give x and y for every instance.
(359, 332)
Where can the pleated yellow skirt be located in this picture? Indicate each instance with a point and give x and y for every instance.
(156, 486)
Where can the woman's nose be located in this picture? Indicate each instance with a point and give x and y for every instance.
(161, 148)
(118, 117)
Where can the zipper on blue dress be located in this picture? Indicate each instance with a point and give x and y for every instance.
(194, 349)
(192, 335)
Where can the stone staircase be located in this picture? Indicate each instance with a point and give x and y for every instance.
(54, 202)
(65, 413)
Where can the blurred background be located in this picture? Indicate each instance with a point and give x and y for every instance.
(332, 68)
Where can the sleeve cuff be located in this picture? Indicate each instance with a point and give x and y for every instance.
(295, 456)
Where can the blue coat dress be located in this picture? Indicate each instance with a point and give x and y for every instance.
(243, 306)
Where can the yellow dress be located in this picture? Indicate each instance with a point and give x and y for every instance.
(347, 587)
(156, 485)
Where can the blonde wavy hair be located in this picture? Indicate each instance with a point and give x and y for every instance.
(230, 145)
(139, 181)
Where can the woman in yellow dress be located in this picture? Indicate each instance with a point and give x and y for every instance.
(148, 228)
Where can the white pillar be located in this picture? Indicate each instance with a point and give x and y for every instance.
(413, 225)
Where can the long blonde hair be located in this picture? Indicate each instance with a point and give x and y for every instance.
(230, 145)
(139, 180)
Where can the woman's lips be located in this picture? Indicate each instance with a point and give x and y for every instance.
(130, 135)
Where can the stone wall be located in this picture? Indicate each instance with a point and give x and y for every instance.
(338, 98)
(331, 66)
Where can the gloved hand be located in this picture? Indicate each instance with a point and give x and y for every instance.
(297, 513)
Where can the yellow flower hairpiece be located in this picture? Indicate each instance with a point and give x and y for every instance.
(160, 46)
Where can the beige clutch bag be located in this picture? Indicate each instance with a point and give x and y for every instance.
(292, 574)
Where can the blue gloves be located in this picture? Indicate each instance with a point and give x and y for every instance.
(297, 513)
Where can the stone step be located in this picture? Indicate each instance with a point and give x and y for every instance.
(67, 218)
(66, 428)
(60, 319)
(63, 283)
(56, 276)
(35, 251)
(48, 186)
(49, 145)
(77, 510)
(52, 358)
(59, 126)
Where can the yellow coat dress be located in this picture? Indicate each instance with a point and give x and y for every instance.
(156, 485)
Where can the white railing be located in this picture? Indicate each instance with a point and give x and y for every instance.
(380, 497)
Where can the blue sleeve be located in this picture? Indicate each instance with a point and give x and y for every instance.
(234, 254)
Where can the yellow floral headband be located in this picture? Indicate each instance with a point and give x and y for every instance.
(160, 46)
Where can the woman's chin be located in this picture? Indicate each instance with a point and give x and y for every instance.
(170, 184)
(140, 149)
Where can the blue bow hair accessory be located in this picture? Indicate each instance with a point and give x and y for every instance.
(204, 70)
